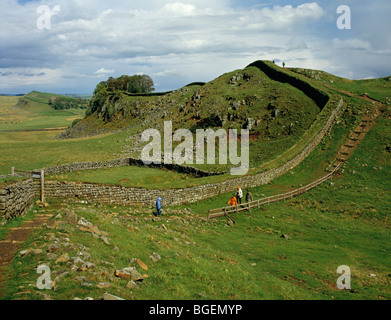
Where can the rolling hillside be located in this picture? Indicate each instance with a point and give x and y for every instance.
(34, 112)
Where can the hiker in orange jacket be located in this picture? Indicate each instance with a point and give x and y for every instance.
(233, 201)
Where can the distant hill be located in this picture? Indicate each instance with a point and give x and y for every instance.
(39, 110)
(41, 100)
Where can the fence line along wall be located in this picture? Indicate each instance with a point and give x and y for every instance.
(220, 212)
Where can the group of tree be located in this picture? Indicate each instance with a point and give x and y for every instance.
(131, 84)
(137, 84)
(62, 103)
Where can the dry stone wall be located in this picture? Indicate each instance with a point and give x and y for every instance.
(109, 194)
(15, 199)
(94, 165)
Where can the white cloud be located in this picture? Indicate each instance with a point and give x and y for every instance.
(201, 38)
(166, 73)
(179, 9)
(103, 71)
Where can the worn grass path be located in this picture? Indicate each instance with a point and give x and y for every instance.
(14, 238)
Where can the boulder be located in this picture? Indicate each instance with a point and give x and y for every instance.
(155, 257)
(62, 259)
(108, 296)
(70, 217)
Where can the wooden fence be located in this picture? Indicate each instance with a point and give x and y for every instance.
(35, 174)
(221, 212)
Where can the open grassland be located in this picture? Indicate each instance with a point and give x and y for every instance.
(346, 221)
(32, 112)
(130, 176)
(34, 150)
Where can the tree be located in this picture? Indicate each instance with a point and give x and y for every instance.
(110, 91)
(131, 84)
(283, 64)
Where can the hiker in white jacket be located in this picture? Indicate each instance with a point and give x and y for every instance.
(239, 195)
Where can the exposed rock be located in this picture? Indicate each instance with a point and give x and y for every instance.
(71, 217)
(52, 224)
(285, 236)
(87, 266)
(108, 296)
(155, 257)
(77, 261)
(36, 252)
(104, 285)
(62, 259)
(27, 252)
(53, 248)
(128, 269)
(24, 253)
(84, 222)
(132, 285)
(122, 275)
(136, 276)
(51, 256)
(105, 240)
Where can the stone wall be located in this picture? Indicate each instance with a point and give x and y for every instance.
(94, 165)
(15, 199)
(320, 97)
(110, 194)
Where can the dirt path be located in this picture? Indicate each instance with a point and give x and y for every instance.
(15, 237)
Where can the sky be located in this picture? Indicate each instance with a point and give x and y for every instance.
(83, 42)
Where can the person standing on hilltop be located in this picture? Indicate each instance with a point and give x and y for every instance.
(239, 195)
(158, 207)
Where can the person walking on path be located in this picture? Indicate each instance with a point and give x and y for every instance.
(158, 207)
(233, 202)
(239, 195)
(249, 198)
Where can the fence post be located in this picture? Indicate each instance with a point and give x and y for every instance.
(13, 171)
(42, 186)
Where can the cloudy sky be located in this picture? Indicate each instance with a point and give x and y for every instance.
(178, 42)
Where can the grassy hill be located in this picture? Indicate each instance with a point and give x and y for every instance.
(33, 112)
(328, 227)
(284, 119)
(346, 221)
(277, 113)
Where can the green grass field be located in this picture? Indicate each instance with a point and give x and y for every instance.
(32, 112)
(346, 221)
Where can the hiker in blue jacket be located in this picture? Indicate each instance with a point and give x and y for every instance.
(158, 207)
